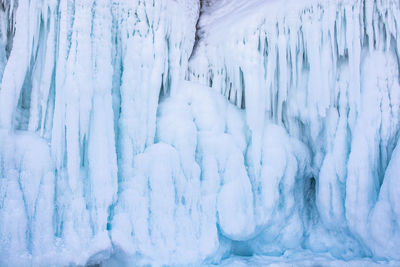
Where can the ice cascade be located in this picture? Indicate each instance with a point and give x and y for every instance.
(129, 138)
(328, 73)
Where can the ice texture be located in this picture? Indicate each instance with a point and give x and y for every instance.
(81, 79)
(328, 73)
(177, 132)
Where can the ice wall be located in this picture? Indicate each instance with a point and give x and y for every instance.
(78, 98)
(108, 156)
(328, 73)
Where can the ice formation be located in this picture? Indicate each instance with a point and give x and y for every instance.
(126, 140)
(328, 73)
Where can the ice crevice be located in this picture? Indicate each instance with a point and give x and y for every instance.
(196, 132)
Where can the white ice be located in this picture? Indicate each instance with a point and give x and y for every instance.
(237, 132)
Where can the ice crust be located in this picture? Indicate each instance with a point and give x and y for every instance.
(125, 141)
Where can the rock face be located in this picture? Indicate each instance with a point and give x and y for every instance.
(125, 140)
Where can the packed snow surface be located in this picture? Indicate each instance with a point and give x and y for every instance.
(174, 132)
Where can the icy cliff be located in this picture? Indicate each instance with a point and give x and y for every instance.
(327, 72)
(79, 96)
(282, 139)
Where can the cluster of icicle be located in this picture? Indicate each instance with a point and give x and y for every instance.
(80, 83)
(107, 156)
(327, 72)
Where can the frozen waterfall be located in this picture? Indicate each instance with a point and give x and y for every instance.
(214, 132)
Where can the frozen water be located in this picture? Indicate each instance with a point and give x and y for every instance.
(328, 73)
(177, 132)
(83, 78)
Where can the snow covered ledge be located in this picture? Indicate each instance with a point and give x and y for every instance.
(328, 72)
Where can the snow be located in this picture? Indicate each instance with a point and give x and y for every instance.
(271, 139)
